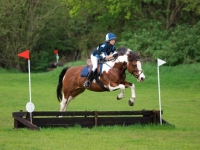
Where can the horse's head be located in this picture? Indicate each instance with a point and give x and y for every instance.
(134, 65)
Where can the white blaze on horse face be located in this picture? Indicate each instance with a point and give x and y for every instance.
(141, 73)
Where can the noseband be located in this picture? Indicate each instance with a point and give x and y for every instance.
(125, 67)
(132, 73)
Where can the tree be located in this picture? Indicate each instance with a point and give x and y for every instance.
(21, 26)
(192, 5)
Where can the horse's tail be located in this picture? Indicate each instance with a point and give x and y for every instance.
(59, 86)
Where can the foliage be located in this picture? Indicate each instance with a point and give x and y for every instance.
(192, 5)
(166, 44)
(21, 26)
(76, 27)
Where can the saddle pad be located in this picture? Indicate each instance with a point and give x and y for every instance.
(84, 72)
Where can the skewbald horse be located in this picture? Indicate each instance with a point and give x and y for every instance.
(113, 77)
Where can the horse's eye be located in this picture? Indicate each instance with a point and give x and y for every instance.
(134, 65)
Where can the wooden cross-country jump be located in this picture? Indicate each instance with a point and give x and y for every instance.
(84, 118)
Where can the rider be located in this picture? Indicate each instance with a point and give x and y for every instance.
(103, 51)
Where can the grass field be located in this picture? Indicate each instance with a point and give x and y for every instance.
(180, 95)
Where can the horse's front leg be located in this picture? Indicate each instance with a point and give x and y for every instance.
(121, 94)
(133, 95)
(115, 87)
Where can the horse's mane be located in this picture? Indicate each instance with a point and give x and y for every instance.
(131, 56)
(121, 51)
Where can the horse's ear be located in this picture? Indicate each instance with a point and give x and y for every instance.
(139, 54)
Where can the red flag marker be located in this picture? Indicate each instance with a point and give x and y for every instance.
(24, 54)
(29, 106)
(55, 51)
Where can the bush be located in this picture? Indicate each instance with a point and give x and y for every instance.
(177, 45)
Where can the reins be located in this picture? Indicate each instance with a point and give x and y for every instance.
(123, 68)
(116, 69)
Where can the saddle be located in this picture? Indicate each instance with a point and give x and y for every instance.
(88, 68)
(99, 67)
(97, 73)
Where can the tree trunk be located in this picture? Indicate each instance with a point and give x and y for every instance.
(173, 10)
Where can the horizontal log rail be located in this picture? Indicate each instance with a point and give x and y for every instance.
(84, 118)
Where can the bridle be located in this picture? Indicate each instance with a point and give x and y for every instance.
(125, 67)
(141, 71)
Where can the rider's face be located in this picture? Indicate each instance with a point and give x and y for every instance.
(112, 42)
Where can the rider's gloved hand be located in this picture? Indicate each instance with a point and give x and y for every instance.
(115, 55)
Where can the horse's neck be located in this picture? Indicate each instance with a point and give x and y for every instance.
(122, 58)
(109, 63)
(120, 61)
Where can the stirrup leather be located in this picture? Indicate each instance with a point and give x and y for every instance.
(87, 83)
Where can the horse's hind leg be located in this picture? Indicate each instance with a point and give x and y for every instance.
(64, 103)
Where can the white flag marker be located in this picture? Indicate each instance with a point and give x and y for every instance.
(160, 62)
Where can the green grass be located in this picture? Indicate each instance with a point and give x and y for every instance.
(180, 103)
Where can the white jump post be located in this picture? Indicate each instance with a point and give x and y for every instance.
(160, 62)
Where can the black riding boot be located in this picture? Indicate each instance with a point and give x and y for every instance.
(89, 77)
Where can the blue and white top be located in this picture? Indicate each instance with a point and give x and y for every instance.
(104, 50)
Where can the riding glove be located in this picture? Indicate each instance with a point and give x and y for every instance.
(115, 55)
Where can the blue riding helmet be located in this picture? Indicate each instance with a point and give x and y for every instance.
(110, 36)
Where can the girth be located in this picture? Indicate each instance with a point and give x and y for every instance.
(96, 73)
(89, 65)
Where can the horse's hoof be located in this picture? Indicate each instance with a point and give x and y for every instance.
(130, 103)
